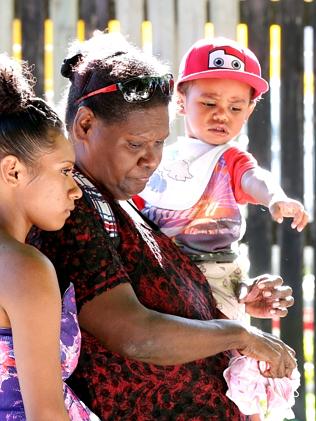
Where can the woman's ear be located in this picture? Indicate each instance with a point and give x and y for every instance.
(11, 170)
(82, 124)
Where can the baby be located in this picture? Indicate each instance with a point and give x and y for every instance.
(195, 194)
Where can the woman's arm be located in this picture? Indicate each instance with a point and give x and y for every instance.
(123, 325)
(261, 185)
(116, 317)
(32, 303)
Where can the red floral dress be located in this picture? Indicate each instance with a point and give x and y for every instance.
(164, 279)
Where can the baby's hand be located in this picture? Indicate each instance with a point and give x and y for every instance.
(289, 208)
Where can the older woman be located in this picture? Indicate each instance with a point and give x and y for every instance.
(153, 346)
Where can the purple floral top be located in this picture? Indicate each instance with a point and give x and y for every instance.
(11, 404)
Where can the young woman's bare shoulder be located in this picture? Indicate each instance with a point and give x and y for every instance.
(24, 270)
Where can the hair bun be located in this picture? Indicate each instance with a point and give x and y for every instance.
(15, 85)
(42, 109)
(68, 65)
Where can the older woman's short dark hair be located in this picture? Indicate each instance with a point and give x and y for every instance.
(103, 60)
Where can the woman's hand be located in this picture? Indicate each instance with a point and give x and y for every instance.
(279, 358)
(266, 297)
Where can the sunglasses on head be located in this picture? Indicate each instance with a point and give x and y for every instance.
(138, 89)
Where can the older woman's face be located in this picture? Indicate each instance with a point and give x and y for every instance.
(122, 156)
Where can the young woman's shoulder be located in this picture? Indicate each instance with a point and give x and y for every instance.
(25, 273)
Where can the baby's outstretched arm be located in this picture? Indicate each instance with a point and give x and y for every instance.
(260, 185)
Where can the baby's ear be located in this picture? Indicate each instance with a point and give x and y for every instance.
(180, 103)
(11, 169)
(251, 107)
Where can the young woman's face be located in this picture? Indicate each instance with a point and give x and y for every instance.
(48, 192)
(216, 109)
(122, 156)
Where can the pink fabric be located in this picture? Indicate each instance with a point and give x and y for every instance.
(256, 394)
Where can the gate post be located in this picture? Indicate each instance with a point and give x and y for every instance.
(292, 150)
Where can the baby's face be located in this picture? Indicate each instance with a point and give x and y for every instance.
(216, 109)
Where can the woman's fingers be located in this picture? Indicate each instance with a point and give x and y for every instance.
(268, 282)
(279, 357)
(284, 294)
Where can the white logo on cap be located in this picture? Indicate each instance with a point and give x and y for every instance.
(219, 59)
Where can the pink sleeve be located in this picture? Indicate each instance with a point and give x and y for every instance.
(238, 162)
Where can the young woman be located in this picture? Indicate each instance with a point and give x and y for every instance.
(36, 188)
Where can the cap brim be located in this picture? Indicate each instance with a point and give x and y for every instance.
(260, 85)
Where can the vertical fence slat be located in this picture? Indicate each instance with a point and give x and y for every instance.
(225, 16)
(33, 18)
(292, 150)
(95, 13)
(164, 35)
(191, 17)
(64, 16)
(130, 14)
(165, 40)
(6, 19)
(259, 132)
